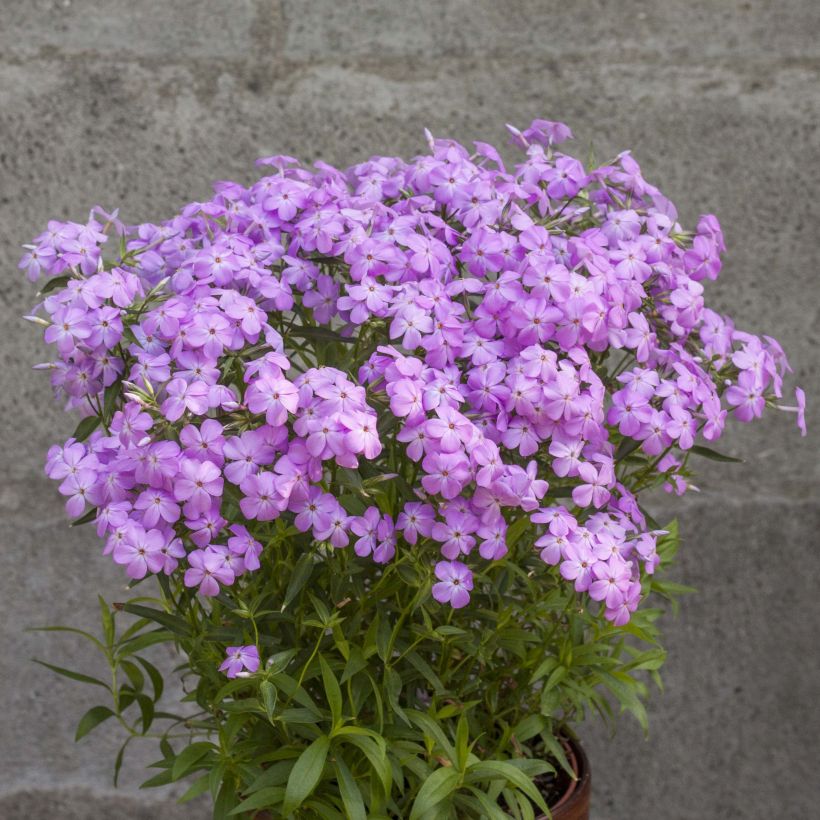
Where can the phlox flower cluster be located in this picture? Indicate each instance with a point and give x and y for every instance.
(531, 343)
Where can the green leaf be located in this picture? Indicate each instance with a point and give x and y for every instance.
(557, 751)
(225, 800)
(355, 663)
(143, 641)
(136, 677)
(651, 659)
(146, 706)
(352, 504)
(242, 706)
(86, 518)
(107, 621)
(199, 787)
(627, 446)
(378, 479)
(516, 530)
(450, 631)
(462, 747)
(349, 790)
(92, 718)
(112, 393)
(433, 731)
(78, 676)
(305, 716)
(505, 770)
(332, 691)
(161, 779)
(86, 427)
(424, 669)
(360, 731)
(279, 662)
(215, 779)
(321, 609)
(72, 629)
(155, 676)
(305, 774)
(672, 530)
(489, 807)
(670, 588)
(545, 667)
(624, 689)
(301, 573)
(188, 757)
(118, 760)
(349, 478)
(557, 675)
(319, 334)
(269, 694)
(713, 455)
(436, 788)
(263, 799)
(274, 775)
(172, 622)
(383, 636)
(529, 727)
(54, 283)
(523, 806)
(373, 751)
(392, 687)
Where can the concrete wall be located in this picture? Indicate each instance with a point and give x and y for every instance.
(141, 103)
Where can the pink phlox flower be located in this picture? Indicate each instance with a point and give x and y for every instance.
(239, 658)
(207, 570)
(455, 581)
(594, 491)
(456, 533)
(415, 519)
(244, 544)
(141, 551)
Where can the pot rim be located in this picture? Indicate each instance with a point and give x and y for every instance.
(579, 787)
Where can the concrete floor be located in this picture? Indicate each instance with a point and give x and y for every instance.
(139, 104)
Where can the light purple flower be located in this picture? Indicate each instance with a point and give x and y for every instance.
(184, 396)
(366, 527)
(156, 505)
(314, 511)
(577, 565)
(456, 533)
(454, 584)
(262, 500)
(207, 570)
(799, 409)
(238, 659)
(198, 483)
(746, 396)
(362, 436)
(141, 552)
(594, 491)
(509, 326)
(273, 396)
(447, 473)
(416, 519)
(246, 453)
(244, 544)
(81, 487)
(611, 580)
(336, 529)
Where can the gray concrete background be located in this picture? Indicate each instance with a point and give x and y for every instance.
(141, 103)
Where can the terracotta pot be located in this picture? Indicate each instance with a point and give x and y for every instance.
(574, 805)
